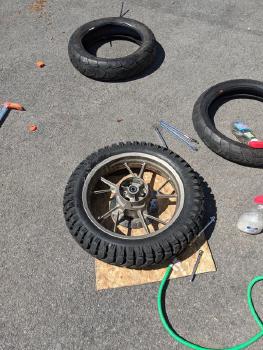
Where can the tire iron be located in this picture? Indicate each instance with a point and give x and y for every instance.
(199, 256)
(191, 139)
(179, 135)
(159, 134)
(200, 253)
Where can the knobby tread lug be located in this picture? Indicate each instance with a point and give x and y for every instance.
(94, 248)
(139, 256)
(86, 241)
(120, 256)
(76, 229)
(111, 256)
(81, 234)
(130, 256)
(158, 253)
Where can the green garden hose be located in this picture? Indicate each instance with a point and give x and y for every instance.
(178, 338)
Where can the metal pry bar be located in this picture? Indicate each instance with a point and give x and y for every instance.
(178, 135)
(191, 139)
(122, 14)
(159, 134)
(199, 256)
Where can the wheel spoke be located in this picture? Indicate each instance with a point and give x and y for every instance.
(129, 169)
(163, 195)
(116, 222)
(109, 183)
(102, 191)
(144, 224)
(142, 170)
(165, 183)
(108, 213)
(155, 219)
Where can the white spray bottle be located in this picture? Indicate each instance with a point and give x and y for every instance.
(251, 222)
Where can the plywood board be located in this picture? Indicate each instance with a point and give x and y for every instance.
(109, 276)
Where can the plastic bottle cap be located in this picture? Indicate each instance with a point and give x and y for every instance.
(256, 144)
(258, 199)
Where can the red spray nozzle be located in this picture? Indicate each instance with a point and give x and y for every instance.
(258, 199)
(255, 144)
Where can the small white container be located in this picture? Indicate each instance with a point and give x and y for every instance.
(251, 222)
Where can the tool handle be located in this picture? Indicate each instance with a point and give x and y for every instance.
(13, 105)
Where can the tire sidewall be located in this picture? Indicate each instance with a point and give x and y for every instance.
(76, 38)
(213, 138)
(112, 69)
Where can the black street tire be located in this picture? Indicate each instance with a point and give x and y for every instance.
(105, 29)
(148, 250)
(203, 118)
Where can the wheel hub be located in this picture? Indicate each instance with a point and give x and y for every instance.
(133, 189)
(132, 195)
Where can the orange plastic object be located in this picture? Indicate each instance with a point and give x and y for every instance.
(32, 128)
(40, 64)
(12, 105)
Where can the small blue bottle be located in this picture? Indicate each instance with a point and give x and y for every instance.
(243, 132)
